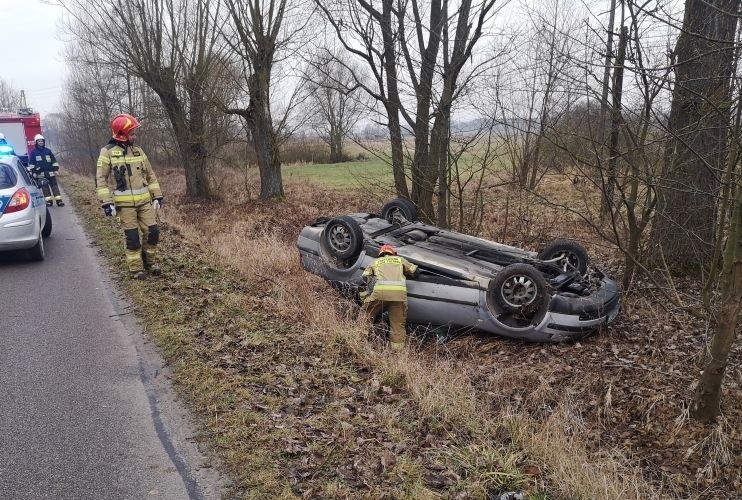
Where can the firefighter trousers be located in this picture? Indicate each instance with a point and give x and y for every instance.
(397, 317)
(141, 251)
(52, 187)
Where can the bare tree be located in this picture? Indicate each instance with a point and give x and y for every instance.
(419, 50)
(10, 98)
(93, 92)
(261, 34)
(171, 45)
(334, 101)
(706, 405)
(540, 84)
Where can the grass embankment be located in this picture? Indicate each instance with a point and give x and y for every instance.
(298, 401)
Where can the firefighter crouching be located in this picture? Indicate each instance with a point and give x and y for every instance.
(388, 291)
(43, 165)
(135, 198)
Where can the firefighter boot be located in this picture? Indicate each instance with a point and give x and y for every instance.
(60, 203)
(47, 195)
(155, 270)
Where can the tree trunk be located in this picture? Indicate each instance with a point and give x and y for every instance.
(607, 72)
(439, 143)
(632, 253)
(707, 401)
(699, 128)
(260, 123)
(188, 136)
(392, 103)
(336, 145)
(424, 172)
(196, 171)
(617, 92)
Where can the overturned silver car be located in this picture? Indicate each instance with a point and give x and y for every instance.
(467, 282)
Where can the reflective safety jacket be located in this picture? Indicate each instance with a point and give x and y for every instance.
(126, 168)
(386, 277)
(41, 161)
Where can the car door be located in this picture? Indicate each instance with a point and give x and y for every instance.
(37, 195)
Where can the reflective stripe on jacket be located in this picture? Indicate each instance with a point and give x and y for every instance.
(41, 161)
(388, 275)
(125, 176)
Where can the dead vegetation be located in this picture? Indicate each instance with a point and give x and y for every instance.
(299, 400)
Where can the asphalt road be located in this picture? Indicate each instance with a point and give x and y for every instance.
(85, 410)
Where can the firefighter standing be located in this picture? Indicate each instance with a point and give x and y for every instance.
(136, 196)
(43, 164)
(388, 291)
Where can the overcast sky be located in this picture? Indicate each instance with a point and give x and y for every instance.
(32, 51)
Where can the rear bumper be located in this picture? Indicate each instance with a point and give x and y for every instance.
(18, 234)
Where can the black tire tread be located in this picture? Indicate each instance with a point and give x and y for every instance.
(36, 253)
(47, 231)
(561, 245)
(408, 208)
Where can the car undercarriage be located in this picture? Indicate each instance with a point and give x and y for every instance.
(466, 282)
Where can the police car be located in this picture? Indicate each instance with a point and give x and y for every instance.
(24, 217)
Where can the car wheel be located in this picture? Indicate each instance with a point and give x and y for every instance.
(47, 231)
(519, 289)
(399, 207)
(567, 254)
(37, 252)
(343, 237)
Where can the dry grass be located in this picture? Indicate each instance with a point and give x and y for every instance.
(441, 388)
(493, 415)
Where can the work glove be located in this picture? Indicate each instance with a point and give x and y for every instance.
(157, 203)
(109, 210)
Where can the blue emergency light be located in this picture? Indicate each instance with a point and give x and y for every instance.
(6, 150)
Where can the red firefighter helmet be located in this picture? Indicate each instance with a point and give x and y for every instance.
(387, 250)
(122, 126)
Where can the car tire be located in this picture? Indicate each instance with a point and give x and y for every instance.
(342, 237)
(37, 253)
(519, 289)
(400, 206)
(47, 231)
(571, 254)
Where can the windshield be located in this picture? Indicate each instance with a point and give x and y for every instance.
(8, 177)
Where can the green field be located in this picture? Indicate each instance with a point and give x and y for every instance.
(340, 175)
(376, 172)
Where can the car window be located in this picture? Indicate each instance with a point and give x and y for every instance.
(24, 173)
(8, 176)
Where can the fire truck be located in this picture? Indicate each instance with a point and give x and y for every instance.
(20, 128)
